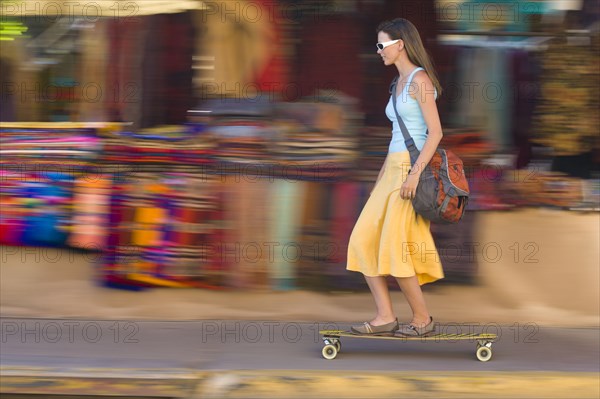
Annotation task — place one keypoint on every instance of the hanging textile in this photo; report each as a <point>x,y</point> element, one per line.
<point>93,72</point>
<point>566,118</point>
<point>244,38</point>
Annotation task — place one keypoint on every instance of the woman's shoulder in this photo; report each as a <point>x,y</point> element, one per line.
<point>422,83</point>
<point>421,77</point>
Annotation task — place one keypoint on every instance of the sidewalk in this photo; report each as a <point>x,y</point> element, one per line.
<point>535,265</point>
<point>275,359</point>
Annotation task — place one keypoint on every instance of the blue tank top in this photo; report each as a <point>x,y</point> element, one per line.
<point>411,114</point>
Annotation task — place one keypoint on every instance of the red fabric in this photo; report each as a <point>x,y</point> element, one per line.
<point>276,68</point>
<point>329,57</point>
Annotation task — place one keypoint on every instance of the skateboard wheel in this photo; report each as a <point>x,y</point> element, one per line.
<point>484,353</point>
<point>329,352</point>
<point>338,345</point>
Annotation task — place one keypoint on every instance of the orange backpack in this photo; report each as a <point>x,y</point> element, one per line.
<point>443,190</point>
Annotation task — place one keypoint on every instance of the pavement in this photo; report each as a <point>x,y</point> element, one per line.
<point>282,359</point>
<point>538,288</point>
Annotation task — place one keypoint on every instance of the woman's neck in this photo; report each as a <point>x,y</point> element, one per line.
<point>405,67</point>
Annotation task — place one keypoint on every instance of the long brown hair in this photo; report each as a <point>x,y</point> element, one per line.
<point>401,28</point>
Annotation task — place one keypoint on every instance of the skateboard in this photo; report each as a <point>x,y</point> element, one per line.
<point>333,344</point>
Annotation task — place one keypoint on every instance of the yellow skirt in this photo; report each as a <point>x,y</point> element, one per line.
<point>389,238</point>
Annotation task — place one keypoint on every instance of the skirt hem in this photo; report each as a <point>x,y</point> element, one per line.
<point>422,281</point>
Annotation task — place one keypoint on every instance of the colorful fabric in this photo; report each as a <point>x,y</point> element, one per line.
<point>161,229</point>
<point>35,208</point>
<point>43,149</point>
<point>168,205</point>
<point>90,212</point>
<point>45,168</point>
<point>165,145</point>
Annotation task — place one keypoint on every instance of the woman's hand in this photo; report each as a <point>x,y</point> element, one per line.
<point>409,187</point>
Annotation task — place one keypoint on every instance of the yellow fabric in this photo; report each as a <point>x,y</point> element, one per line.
<point>149,215</point>
<point>143,278</point>
<point>146,237</point>
<point>389,238</point>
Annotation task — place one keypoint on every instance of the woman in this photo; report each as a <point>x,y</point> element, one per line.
<point>389,238</point>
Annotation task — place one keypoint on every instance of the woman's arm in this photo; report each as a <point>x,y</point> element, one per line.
<point>424,92</point>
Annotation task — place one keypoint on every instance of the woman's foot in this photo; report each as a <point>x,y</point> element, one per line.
<point>417,329</point>
<point>376,327</point>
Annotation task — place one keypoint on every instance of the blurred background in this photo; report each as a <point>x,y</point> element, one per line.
<point>230,145</point>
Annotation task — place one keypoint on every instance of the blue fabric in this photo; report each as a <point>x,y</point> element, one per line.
<point>411,114</point>
<point>48,216</point>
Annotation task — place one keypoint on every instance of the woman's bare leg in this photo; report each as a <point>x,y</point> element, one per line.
<point>414,296</point>
<point>383,301</point>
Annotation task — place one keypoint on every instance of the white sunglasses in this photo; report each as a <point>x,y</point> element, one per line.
<point>383,45</point>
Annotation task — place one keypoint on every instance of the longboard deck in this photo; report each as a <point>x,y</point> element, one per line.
<point>431,337</point>
<point>333,345</point>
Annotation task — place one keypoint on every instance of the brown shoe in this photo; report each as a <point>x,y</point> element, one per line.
<point>412,331</point>
<point>368,329</point>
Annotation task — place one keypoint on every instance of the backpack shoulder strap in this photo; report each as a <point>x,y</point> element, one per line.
<point>393,84</point>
